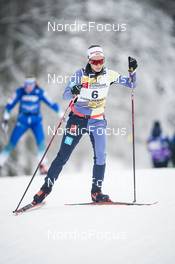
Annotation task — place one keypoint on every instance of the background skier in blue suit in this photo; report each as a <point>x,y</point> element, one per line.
<point>29,98</point>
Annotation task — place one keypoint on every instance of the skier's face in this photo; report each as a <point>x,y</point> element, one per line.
<point>97,63</point>
<point>29,86</point>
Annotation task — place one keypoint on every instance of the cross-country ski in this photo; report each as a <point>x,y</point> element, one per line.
<point>28,207</point>
<point>115,203</point>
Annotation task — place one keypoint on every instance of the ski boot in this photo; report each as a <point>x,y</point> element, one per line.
<point>41,195</point>
<point>99,197</point>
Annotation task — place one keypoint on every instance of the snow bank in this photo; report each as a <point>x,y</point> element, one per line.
<point>63,234</point>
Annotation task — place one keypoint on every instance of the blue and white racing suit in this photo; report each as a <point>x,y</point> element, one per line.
<point>29,117</point>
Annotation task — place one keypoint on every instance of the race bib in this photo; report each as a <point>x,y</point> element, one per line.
<point>93,93</point>
<point>95,90</point>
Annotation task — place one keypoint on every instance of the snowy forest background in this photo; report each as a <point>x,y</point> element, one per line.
<point>26,46</point>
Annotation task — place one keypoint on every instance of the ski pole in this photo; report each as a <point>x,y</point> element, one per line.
<point>58,126</point>
<point>132,65</point>
<point>133,143</point>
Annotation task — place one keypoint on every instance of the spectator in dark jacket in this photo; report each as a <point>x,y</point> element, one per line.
<point>159,147</point>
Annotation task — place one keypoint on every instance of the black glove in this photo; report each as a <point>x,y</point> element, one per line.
<point>76,89</point>
<point>132,64</point>
<point>4,125</point>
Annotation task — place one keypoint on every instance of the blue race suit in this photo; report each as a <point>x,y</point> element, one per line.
<point>29,117</point>
<point>87,116</point>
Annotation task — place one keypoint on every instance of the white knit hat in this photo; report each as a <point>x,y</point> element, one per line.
<point>29,80</point>
<point>95,51</point>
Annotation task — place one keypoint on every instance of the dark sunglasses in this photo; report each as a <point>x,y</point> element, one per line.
<point>96,62</point>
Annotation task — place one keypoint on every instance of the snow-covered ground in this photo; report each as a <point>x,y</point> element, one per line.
<point>64,234</point>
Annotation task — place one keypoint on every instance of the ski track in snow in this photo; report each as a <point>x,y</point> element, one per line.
<point>90,234</point>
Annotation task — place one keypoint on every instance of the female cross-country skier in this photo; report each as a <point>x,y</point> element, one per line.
<point>91,86</point>
<point>29,97</point>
